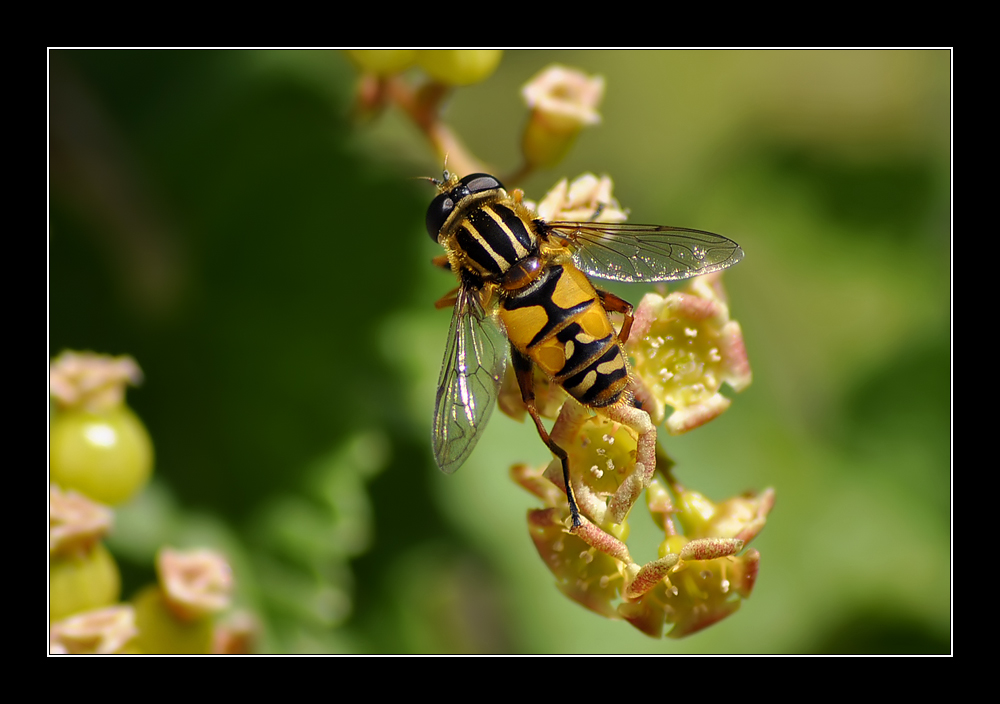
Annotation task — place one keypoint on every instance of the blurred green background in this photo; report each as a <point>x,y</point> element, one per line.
<point>219,216</point>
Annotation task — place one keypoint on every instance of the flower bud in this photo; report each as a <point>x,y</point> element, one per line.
<point>563,101</point>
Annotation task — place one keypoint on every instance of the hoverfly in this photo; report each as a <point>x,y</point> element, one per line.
<point>523,284</point>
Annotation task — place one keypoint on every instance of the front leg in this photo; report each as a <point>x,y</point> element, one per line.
<point>448,299</point>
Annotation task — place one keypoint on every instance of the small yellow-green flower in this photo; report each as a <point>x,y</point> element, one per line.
<point>694,591</point>
<point>742,517</point>
<point>585,574</point>
<point>700,578</point>
<point>684,347</point>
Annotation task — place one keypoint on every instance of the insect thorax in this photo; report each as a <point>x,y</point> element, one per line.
<point>492,238</point>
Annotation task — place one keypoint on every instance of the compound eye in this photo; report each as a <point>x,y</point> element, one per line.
<point>439,210</point>
<point>477,183</point>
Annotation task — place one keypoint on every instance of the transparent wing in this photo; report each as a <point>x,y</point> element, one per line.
<point>629,252</point>
<point>471,373</point>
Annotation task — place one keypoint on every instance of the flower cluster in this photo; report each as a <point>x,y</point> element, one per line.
<point>683,347</point>
<point>702,573</point>
<point>177,615</point>
<point>100,451</point>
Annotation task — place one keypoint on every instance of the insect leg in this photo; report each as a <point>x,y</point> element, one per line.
<point>614,304</point>
<point>448,299</point>
<point>523,370</point>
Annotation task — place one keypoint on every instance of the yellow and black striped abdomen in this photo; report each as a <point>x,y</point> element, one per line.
<point>559,323</point>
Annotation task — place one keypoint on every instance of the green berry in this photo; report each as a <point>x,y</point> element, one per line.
<point>106,456</point>
<point>160,631</point>
<point>382,62</point>
<point>459,67</point>
<point>82,581</point>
